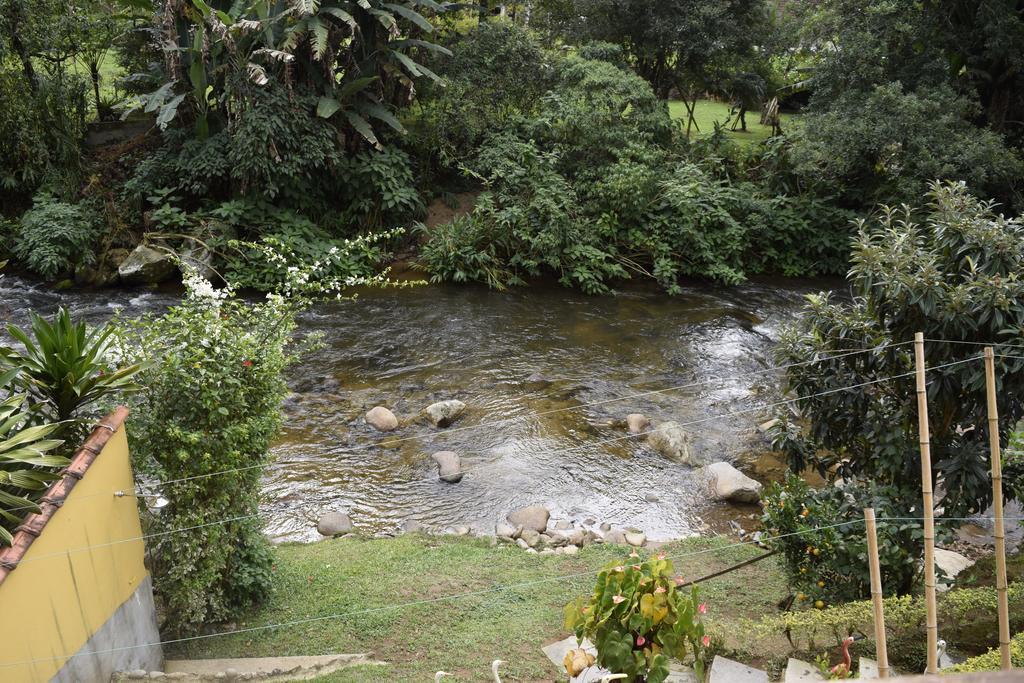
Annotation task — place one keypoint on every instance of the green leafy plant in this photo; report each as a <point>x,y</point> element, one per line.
<point>214,382</point>
<point>54,236</point>
<point>65,367</point>
<point>952,271</point>
<point>639,618</point>
<point>27,466</point>
<point>825,562</point>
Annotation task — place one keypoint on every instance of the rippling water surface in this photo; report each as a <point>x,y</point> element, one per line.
<point>521,442</point>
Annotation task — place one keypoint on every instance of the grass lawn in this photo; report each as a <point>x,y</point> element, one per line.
<point>460,635</point>
<point>709,111</point>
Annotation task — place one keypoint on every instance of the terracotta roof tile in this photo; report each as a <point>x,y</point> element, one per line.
<point>58,492</point>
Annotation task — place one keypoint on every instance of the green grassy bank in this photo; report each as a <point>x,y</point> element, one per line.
<point>710,111</point>
<point>460,635</point>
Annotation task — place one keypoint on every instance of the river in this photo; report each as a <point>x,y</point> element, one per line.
<point>521,442</point>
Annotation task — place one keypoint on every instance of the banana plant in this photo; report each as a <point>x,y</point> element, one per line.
<point>65,366</point>
<point>26,466</point>
<point>357,55</point>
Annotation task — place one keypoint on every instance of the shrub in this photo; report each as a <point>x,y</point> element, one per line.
<point>54,236</point>
<point>214,386</point>
<point>638,619</point>
<point>466,250</point>
<point>1013,465</point>
<point>825,563</point>
<point>886,145</point>
<point>966,616</point>
<point>378,190</point>
<point>495,77</point>
<point>991,660</point>
<point>40,134</point>
<point>950,271</point>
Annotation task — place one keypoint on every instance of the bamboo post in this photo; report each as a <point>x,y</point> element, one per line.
<point>881,648</point>
<point>932,627</point>
<point>997,504</point>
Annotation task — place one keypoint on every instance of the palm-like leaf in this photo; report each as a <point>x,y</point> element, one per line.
<point>25,468</point>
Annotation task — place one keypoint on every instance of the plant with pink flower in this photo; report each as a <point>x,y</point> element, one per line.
<point>639,618</point>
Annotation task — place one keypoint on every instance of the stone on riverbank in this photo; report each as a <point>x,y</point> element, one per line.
<point>533,517</point>
<point>507,531</point>
<point>637,423</point>
<point>145,266</point>
<point>671,441</point>
<point>449,466</point>
<point>382,419</point>
<point>728,483</point>
<point>443,413</point>
<point>334,524</point>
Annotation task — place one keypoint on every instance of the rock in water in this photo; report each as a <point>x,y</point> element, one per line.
<point>728,483</point>
<point>533,517</point>
<point>146,265</point>
<point>443,413</point>
<point>671,441</point>
<point>449,466</point>
<point>637,423</point>
<point>382,419</point>
<point>334,524</point>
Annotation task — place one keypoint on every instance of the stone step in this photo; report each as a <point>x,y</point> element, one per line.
<point>727,671</point>
<point>799,672</point>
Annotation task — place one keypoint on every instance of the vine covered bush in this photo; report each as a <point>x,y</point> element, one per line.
<point>825,560</point>
<point>214,386</point>
<point>639,618</point>
<point>202,430</point>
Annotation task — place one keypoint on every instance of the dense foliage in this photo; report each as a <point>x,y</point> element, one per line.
<point>951,270</point>
<point>639,618</point>
<point>212,404</point>
<point>53,237</point>
<point>590,182</point>
<point>820,533</point>
<point>62,375</point>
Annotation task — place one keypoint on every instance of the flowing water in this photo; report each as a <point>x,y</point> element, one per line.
<point>547,439</point>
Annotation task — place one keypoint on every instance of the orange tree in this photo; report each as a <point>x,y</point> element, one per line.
<point>952,270</point>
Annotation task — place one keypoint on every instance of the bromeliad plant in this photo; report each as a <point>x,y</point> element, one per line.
<point>65,367</point>
<point>639,618</point>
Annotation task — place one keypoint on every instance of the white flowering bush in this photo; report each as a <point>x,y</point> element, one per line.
<point>202,430</point>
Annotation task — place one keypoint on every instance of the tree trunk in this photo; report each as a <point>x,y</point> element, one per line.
<point>94,71</point>
<point>26,62</point>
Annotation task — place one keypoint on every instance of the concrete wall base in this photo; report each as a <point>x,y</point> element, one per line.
<point>129,640</point>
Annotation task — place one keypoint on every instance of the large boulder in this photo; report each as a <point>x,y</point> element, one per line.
<point>728,483</point>
<point>533,517</point>
<point>949,564</point>
<point>449,466</point>
<point>671,441</point>
<point>443,413</point>
<point>146,265</point>
<point>334,524</point>
<point>382,419</point>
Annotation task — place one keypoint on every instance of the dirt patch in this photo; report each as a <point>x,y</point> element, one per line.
<point>444,209</point>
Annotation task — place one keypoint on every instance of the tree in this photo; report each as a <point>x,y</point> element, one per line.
<point>953,271</point>
<point>686,46</point>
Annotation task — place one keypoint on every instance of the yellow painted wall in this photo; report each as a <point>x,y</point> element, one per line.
<point>60,594</point>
